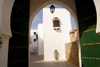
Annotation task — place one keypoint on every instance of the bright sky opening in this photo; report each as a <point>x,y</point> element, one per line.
<point>39,18</point>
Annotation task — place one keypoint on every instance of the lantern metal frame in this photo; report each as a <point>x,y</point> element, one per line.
<point>52,8</point>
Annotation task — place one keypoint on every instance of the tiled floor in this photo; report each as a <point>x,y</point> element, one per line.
<point>37,61</point>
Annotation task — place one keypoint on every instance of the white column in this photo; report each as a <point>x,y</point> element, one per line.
<point>97,6</point>
<point>4,51</point>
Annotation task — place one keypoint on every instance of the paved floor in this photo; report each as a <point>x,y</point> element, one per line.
<point>37,61</point>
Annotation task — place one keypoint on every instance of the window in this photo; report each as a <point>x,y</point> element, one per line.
<point>34,40</point>
<point>56,23</point>
<point>34,33</point>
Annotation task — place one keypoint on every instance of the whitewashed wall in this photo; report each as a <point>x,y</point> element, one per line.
<point>33,45</point>
<point>40,39</point>
<point>55,39</point>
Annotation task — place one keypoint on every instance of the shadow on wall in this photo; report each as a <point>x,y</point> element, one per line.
<point>40,45</point>
<point>58,31</point>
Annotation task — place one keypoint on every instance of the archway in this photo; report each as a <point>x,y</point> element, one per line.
<point>5,31</point>
<point>2,11</point>
<point>69,8</point>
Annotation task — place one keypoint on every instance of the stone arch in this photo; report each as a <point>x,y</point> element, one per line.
<point>70,9</point>
<point>5,12</point>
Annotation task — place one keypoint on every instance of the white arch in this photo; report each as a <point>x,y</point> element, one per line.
<point>5,30</point>
<point>71,8</point>
<point>5,15</point>
<point>97,6</point>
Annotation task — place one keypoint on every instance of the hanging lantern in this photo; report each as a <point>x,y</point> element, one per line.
<point>52,8</point>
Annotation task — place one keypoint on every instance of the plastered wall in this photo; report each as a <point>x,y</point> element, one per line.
<point>55,39</point>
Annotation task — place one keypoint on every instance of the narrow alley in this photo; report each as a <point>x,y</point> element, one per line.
<point>37,61</point>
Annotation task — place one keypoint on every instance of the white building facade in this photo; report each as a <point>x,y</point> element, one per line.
<point>55,39</point>
<point>40,40</point>
<point>33,45</point>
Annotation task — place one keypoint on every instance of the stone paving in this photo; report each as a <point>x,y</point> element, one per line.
<point>37,61</point>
